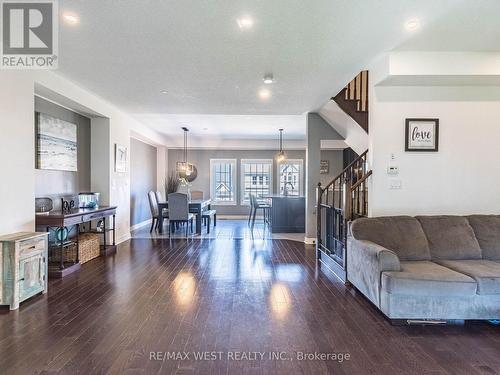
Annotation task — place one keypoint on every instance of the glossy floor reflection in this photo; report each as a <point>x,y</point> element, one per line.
<point>225,229</point>
<point>230,296</point>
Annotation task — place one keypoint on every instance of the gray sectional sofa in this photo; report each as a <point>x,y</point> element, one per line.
<point>428,267</point>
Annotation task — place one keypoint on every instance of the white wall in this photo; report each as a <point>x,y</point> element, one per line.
<point>17,187</point>
<point>162,167</point>
<point>17,145</point>
<point>462,178</point>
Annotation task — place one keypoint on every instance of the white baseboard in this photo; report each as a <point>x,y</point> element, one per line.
<point>235,217</point>
<point>123,238</point>
<point>310,240</point>
<point>140,225</point>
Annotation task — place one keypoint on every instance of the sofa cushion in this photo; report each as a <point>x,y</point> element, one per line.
<point>425,278</point>
<point>485,272</point>
<point>487,231</point>
<point>450,237</point>
<point>401,234</point>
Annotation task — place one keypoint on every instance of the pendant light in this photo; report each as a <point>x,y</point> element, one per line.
<point>183,167</point>
<point>281,154</point>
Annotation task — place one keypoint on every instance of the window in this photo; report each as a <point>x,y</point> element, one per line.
<point>290,177</point>
<point>256,178</point>
<point>222,181</point>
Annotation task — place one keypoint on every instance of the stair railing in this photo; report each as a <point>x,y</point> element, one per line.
<point>342,200</point>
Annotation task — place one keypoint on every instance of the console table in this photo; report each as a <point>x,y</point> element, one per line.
<point>77,217</point>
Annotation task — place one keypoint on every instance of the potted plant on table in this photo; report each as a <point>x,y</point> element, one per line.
<point>185,187</point>
<point>171,184</point>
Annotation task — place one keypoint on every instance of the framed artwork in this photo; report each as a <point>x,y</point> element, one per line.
<point>324,166</point>
<point>422,134</point>
<point>56,143</point>
<point>121,159</point>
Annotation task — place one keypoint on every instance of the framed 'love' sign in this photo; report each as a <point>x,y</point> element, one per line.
<point>422,134</point>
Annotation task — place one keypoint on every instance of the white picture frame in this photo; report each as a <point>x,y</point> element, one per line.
<point>121,158</point>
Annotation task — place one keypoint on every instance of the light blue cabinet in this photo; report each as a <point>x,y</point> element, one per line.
<point>23,271</point>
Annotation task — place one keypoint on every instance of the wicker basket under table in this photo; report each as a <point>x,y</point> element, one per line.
<point>89,247</point>
<point>69,253</point>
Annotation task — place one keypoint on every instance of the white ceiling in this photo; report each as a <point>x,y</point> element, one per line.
<point>228,126</point>
<point>129,51</point>
<point>473,26</point>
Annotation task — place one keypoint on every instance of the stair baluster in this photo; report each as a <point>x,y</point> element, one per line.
<point>344,199</point>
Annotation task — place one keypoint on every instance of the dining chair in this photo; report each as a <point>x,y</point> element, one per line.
<point>197,195</point>
<point>159,198</point>
<point>254,206</point>
<point>178,207</point>
<point>153,206</point>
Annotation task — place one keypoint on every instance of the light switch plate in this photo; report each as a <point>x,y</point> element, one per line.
<point>395,184</point>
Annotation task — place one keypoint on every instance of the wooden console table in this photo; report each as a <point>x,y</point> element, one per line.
<point>77,217</point>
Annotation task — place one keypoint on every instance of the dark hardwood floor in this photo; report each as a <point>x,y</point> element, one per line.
<point>227,296</point>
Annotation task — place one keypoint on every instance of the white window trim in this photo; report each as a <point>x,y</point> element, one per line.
<point>301,174</point>
<point>242,177</point>
<point>234,165</point>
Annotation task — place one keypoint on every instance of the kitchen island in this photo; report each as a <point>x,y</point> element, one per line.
<point>288,214</point>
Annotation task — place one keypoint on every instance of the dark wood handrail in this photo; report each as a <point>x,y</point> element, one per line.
<point>363,179</point>
<point>346,169</point>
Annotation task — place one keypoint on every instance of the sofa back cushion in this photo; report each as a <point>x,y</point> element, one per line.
<point>487,230</point>
<point>450,237</point>
<point>401,234</point>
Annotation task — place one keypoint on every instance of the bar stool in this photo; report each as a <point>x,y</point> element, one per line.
<point>254,206</point>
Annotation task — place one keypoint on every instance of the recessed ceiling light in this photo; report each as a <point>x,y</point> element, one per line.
<point>71,18</point>
<point>264,94</point>
<point>164,91</point>
<point>268,78</point>
<point>245,22</point>
<point>413,24</point>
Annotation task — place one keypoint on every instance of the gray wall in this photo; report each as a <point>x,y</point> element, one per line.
<point>335,157</point>
<point>317,129</point>
<point>201,159</point>
<point>142,179</point>
<point>55,184</point>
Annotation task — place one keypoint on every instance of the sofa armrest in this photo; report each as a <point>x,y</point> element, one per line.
<point>365,263</point>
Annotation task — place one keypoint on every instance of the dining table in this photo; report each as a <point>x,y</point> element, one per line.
<point>196,206</point>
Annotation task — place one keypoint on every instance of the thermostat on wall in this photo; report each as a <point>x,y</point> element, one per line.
<point>393,170</point>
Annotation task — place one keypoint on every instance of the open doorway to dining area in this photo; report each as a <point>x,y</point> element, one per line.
<point>234,191</point>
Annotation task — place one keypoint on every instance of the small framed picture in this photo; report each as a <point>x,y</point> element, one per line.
<point>422,134</point>
<point>324,166</point>
<point>121,159</point>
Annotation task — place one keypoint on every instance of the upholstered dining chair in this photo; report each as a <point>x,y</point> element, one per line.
<point>178,210</point>
<point>159,198</point>
<point>153,206</point>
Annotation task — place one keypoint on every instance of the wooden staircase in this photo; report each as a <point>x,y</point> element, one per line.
<point>353,99</point>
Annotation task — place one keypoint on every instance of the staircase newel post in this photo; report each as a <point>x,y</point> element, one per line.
<point>348,200</point>
<point>319,194</point>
